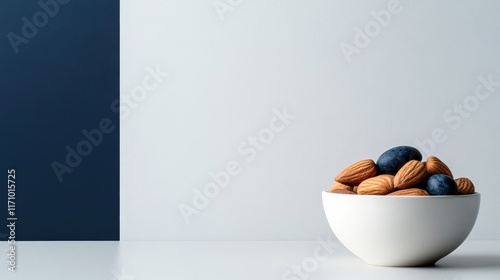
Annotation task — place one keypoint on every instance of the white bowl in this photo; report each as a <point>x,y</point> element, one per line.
<point>401,230</point>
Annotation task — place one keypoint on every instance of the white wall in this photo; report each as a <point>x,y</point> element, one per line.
<point>227,76</point>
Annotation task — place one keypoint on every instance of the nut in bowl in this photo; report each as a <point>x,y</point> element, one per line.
<point>416,219</point>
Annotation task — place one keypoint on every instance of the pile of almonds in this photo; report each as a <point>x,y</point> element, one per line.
<point>363,177</point>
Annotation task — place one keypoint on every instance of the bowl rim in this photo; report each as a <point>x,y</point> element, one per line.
<point>407,196</point>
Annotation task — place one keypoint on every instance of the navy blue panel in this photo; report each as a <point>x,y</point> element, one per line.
<point>59,75</point>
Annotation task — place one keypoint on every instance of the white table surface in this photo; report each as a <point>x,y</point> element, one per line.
<point>256,260</point>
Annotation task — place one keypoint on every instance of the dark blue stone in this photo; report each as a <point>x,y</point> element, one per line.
<point>440,184</point>
<point>393,159</point>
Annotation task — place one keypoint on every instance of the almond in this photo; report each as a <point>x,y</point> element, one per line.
<point>342,191</point>
<point>436,166</point>
<point>410,191</point>
<point>410,174</point>
<point>465,186</point>
<point>355,189</point>
<point>378,185</point>
<point>357,172</point>
<point>340,186</point>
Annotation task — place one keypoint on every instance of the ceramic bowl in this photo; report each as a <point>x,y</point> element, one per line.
<point>401,230</point>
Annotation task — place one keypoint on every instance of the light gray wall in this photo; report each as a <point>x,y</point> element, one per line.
<point>229,71</point>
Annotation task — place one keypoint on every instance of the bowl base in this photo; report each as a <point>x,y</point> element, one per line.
<point>429,264</point>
